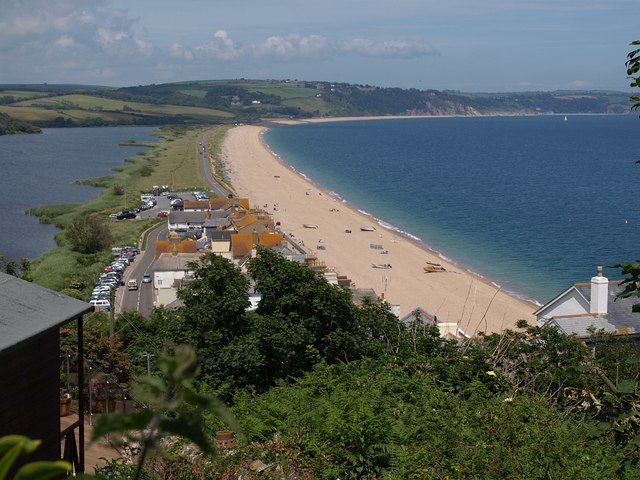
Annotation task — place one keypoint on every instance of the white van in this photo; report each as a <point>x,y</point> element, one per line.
<point>132,284</point>
<point>101,305</point>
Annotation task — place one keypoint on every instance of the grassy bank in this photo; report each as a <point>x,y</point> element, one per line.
<point>173,161</point>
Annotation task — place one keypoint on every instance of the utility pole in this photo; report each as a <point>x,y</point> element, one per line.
<point>112,315</point>
<point>149,355</point>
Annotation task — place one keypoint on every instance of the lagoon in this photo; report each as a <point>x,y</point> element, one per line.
<point>41,169</point>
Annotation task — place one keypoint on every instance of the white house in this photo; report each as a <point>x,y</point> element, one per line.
<point>169,271</point>
<point>593,306</point>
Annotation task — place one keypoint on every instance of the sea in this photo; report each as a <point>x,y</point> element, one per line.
<point>40,169</point>
<point>530,203</point>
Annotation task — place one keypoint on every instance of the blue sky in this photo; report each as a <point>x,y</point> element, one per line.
<point>468,45</point>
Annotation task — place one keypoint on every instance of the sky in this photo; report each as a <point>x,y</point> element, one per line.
<point>466,45</point>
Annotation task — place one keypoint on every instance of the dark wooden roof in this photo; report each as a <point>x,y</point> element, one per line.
<point>27,310</point>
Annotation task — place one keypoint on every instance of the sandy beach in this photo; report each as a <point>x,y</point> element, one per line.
<point>454,295</point>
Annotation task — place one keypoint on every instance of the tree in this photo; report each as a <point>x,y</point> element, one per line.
<point>218,296</point>
<point>633,68</point>
<point>632,283</point>
<point>88,234</point>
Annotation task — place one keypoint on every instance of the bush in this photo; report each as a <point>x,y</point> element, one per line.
<point>88,234</point>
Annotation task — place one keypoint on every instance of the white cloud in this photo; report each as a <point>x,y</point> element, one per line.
<point>144,47</point>
<point>121,43</point>
<point>176,50</point>
<point>65,41</point>
<point>389,48</point>
<point>292,46</point>
<point>222,47</point>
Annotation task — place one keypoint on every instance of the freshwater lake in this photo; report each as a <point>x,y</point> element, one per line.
<point>40,169</point>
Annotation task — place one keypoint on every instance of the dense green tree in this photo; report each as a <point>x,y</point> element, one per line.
<point>217,298</point>
<point>395,420</point>
<point>88,234</point>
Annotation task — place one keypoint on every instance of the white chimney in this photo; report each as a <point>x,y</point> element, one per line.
<point>599,293</point>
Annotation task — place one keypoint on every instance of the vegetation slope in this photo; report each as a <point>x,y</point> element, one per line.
<point>229,101</point>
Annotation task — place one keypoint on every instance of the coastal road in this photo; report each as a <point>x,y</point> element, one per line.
<point>141,300</point>
<point>205,170</point>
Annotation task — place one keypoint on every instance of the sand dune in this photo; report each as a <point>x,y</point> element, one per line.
<point>454,295</point>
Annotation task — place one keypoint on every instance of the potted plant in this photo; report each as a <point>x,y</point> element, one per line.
<point>65,402</point>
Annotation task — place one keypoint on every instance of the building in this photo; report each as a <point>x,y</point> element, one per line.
<point>585,308</point>
<point>30,318</point>
<point>170,271</point>
<point>446,329</point>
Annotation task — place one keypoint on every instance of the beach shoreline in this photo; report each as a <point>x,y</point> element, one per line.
<point>455,295</point>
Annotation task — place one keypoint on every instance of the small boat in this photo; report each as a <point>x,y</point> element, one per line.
<point>565,118</point>
<point>381,265</point>
<point>367,229</point>
<point>431,267</point>
<point>309,225</point>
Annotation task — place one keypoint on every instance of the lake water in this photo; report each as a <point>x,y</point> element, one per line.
<point>40,170</point>
<point>532,203</point>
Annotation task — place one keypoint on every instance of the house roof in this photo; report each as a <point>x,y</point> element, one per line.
<point>270,239</point>
<point>186,245</point>
<point>241,244</point>
<point>167,262</point>
<point>196,204</point>
<point>217,235</point>
<point>422,314</point>
<point>27,310</point>
<point>244,221</point>
<point>618,319</point>
<point>216,222</point>
<point>188,217</point>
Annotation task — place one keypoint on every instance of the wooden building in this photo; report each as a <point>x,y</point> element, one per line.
<point>30,318</point>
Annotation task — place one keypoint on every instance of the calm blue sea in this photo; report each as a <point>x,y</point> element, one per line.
<point>40,170</point>
<point>533,204</point>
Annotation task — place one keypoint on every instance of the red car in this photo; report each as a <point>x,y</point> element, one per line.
<point>163,213</point>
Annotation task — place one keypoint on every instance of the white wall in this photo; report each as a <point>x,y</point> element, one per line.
<point>571,303</point>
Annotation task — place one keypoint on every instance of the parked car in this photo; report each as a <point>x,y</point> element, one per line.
<point>163,213</point>
<point>126,214</point>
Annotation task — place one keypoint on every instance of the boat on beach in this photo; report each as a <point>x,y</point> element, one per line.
<point>309,225</point>
<point>367,229</point>
<point>431,267</point>
<point>381,265</point>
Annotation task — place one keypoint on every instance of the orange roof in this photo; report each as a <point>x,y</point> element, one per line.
<point>199,204</point>
<point>241,244</point>
<point>219,203</point>
<point>244,221</point>
<point>185,246</point>
<point>270,239</point>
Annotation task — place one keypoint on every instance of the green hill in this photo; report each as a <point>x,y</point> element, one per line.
<point>228,101</point>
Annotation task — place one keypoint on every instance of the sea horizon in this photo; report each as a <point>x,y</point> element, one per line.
<point>314,151</point>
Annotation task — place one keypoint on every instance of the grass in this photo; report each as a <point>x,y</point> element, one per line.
<point>86,109</point>
<point>97,105</point>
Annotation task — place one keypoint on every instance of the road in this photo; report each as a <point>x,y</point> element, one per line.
<point>205,170</point>
<point>141,300</point>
